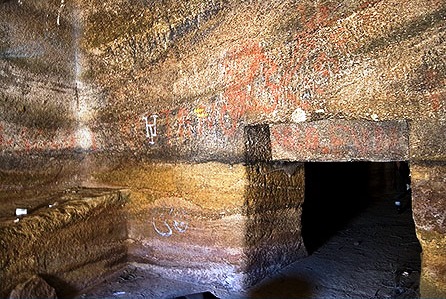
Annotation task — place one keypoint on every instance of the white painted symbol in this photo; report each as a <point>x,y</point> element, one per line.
<point>167,233</point>
<point>170,221</point>
<point>151,128</point>
<point>62,4</point>
<point>180,226</point>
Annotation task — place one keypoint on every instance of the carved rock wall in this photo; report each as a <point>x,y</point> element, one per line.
<point>428,180</point>
<point>88,87</point>
<point>226,226</point>
<point>209,69</point>
<point>203,73</point>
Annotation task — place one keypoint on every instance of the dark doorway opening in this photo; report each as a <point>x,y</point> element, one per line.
<point>338,192</point>
<point>361,244</point>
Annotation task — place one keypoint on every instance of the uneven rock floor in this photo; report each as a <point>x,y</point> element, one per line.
<point>376,255</point>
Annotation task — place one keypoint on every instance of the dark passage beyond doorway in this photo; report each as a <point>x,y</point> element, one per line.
<point>334,194</point>
<point>361,244</point>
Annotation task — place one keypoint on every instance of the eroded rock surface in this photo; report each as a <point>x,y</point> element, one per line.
<point>35,287</point>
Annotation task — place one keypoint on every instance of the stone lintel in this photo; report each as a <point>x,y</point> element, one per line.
<point>340,140</point>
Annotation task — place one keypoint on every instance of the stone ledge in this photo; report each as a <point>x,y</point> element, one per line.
<point>48,241</point>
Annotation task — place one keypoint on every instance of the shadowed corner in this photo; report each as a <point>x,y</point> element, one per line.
<point>273,233</point>
<point>63,289</point>
<point>283,287</point>
<point>273,206</point>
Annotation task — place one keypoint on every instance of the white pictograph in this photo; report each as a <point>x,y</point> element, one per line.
<point>162,233</point>
<point>150,128</point>
<point>62,4</point>
<point>169,221</point>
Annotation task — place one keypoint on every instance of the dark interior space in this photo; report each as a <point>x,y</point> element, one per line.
<point>361,243</point>
<point>336,193</point>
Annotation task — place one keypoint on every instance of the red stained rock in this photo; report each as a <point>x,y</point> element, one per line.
<point>340,140</point>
